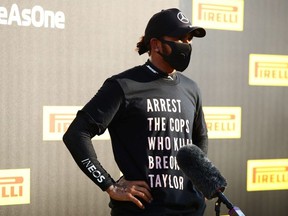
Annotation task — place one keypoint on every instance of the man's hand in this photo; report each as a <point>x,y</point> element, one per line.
<point>125,190</point>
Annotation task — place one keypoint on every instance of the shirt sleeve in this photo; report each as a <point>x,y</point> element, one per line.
<point>93,120</point>
<point>200,137</point>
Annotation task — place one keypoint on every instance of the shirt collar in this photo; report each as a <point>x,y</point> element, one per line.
<point>155,70</point>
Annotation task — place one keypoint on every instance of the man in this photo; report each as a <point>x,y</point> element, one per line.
<point>150,111</point>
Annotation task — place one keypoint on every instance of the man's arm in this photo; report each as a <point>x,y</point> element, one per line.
<point>90,121</point>
<point>78,141</point>
<point>200,132</point>
<point>93,120</point>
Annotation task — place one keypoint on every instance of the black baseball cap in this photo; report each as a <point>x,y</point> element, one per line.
<point>170,22</point>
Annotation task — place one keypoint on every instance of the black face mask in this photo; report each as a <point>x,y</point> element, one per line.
<point>179,57</point>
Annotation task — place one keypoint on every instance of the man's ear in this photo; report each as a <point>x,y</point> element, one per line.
<point>154,44</point>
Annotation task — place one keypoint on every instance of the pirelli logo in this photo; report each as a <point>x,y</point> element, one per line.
<point>14,187</point>
<point>271,174</point>
<point>219,14</point>
<point>268,70</point>
<point>56,120</point>
<point>223,122</point>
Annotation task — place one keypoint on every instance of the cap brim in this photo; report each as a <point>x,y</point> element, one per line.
<point>194,30</point>
<point>198,31</point>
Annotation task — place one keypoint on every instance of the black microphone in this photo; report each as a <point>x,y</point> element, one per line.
<point>204,175</point>
<point>200,170</point>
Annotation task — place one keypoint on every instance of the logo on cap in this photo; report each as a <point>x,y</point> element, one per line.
<point>182,18</point>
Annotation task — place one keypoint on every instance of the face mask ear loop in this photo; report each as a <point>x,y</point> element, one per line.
<point>164,42</point>
<point>158,51</point>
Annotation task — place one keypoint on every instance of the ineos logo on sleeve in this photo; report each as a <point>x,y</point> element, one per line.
<point>182,18</point>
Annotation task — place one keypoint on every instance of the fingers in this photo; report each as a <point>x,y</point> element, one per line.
<point>136,201</point>
<point>131,191</point>
<point>142,190</point>
<point>142,184</point>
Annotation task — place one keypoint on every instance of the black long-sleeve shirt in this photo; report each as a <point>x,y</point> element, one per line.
<point>149,117</point>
